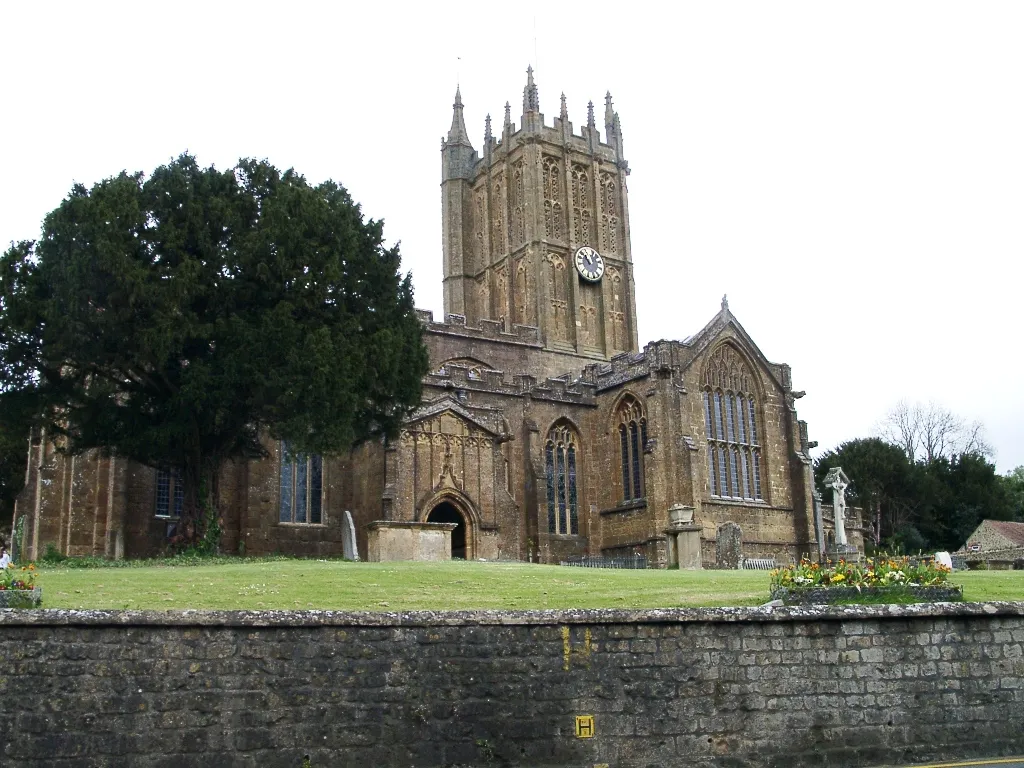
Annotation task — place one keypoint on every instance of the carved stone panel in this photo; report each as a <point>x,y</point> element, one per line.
<point>618,335</point>
<point>557,276</point>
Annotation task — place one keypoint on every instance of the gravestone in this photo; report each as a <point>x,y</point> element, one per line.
<point>729,546</point>
<point>348,538</point>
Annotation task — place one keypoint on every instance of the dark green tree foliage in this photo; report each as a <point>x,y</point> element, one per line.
<point>176,319</point>
<point>961,492</point>
<point>881,482</point>
<point>918,505</point>
<point>1014,482</point>
<point>13,456</point>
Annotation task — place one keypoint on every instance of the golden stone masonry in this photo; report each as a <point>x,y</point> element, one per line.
<point>544,433</point>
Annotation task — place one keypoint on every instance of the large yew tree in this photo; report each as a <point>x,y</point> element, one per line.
<point>178,319</point>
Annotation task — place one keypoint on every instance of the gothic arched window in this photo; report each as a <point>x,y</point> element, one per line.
<point>632,439</point>
<point>301,497</point>
<point>170,493</point>
<point>731,423</point>
<point>561,460</point>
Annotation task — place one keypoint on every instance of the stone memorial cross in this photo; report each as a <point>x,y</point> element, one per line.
<point>837,480</point>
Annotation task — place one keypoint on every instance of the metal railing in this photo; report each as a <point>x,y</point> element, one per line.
<point>633,562</point>
<point>759,564</point>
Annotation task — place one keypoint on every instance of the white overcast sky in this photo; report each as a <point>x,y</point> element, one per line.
<point>850,174</point>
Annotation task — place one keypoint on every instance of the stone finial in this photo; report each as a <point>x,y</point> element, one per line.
<point>590,116</point>
<point>508,115</point>
<point>725,302</point>
<point>564,114</point>
<point>457,133</point>
<point>531,99</point>
<point>487,129</point>
<point>609,116</point>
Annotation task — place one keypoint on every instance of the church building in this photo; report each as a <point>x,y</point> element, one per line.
<point>545,431</point>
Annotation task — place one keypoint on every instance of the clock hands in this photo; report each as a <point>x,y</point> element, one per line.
<point>589,264</point>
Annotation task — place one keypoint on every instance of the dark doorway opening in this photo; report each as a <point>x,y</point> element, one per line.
<point>446,512</point>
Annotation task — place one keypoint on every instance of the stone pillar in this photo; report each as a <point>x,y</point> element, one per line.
<point>688,547</point>
<point>683,539</point>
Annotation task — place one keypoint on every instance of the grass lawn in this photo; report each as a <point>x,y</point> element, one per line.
<point>339,585</point>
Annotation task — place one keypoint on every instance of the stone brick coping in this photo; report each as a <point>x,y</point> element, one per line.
<point>760,614</point>
<point>837,594</point>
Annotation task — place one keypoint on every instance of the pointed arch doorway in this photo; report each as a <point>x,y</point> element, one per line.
<point>446,512</point>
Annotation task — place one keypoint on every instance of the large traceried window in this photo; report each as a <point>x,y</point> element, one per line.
<point>735,462</point>
<point>632,439</point>
<point>561,459</point>
<point>302,481</point>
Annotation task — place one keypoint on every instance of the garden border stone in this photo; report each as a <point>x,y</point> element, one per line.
<point>941,593</point>
<point>21,598</point>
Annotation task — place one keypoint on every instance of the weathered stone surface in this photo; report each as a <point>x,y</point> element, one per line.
<point>21,598</point>
<point>829,595</point>
<point>729,546</point>
<point>527,347</point>
<point>717,688</point>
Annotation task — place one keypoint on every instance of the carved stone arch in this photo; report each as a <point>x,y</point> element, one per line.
<point>729,358</point>
<point>622,400</point>
<point>454,495</point>
<point>455,499</point>
<point>564,421</point>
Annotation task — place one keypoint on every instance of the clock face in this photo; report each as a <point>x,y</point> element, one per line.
<point>589,264</point>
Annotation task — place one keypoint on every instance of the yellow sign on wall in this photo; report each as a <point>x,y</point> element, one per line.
<point>585,726</point>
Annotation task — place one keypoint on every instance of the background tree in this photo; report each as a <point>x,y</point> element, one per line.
<point>1014,482</point>
<point>13,458</point>
<point>178,319</point>
<point>959,494</point>
<point>921,505</point>
<point>929,432</point>
<point>882,483</point>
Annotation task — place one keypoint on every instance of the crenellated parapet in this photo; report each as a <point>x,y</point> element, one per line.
<point>515,215</point>
<point>480,380</point>
<point>484,329</point>
<point>622,368</point>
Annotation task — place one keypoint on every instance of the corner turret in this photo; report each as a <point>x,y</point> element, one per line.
<point>533,120</point>
<point>458,155</point>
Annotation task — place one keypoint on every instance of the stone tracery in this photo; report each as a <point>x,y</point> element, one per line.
<point>735,463</point>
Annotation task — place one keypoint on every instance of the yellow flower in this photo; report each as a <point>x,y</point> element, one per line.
<point>838,577</point>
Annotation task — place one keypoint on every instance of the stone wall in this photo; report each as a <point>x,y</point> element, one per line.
<point>751,687</point>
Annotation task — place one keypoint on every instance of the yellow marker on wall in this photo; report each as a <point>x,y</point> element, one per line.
<point>585,727</point>
<point>568,651</point>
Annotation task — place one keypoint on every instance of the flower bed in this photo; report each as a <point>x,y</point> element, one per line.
<point>18,587</point>
<point>883,579</point>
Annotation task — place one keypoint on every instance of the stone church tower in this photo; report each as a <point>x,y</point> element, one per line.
<point>545,431</point>
<point>515,216</point>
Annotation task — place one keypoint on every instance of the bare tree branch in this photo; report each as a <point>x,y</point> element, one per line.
<point>929,432</point>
